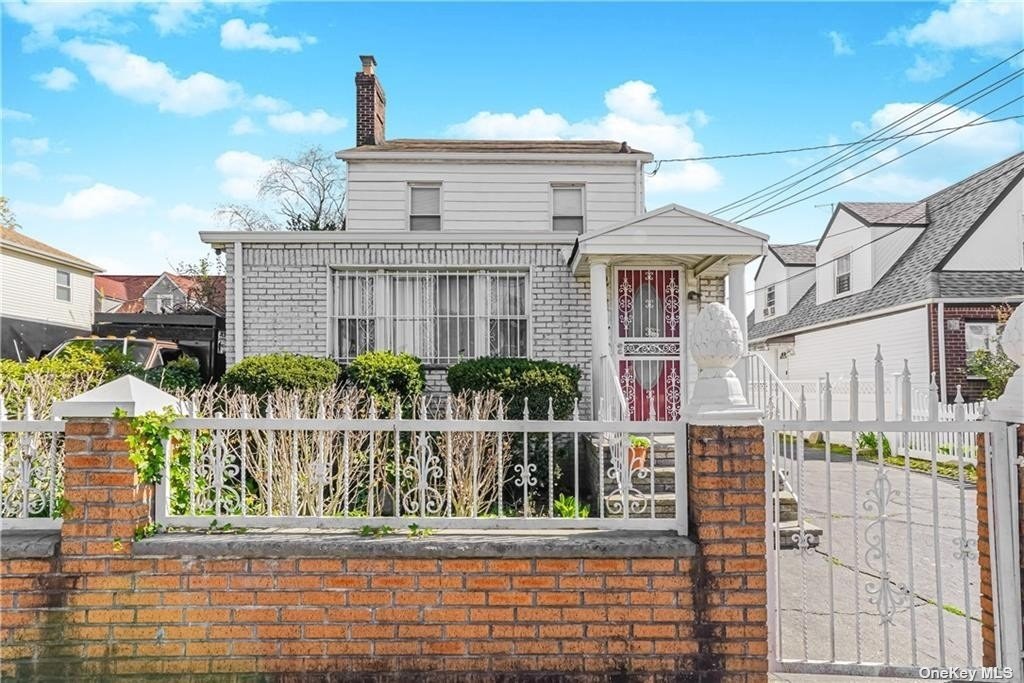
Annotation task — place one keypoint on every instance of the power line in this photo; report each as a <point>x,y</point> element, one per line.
<point>957,198</point>
<point>740,155</point>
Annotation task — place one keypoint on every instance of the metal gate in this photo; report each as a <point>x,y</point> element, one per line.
<point>873,553</point>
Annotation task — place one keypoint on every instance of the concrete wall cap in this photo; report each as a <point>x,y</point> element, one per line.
<point>127,393</point>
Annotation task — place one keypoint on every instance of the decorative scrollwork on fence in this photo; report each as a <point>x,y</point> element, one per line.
<point>621,473</point>
<point>424,472</point>
<point>217,473</point>
<point>888,596</point>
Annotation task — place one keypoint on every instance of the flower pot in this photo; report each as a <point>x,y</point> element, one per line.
<point>637,457</point>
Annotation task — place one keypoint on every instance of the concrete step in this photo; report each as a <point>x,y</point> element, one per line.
<point>664,506</point>
<point>789,534</point>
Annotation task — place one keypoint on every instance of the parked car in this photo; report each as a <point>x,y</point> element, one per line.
<point>149,353</point>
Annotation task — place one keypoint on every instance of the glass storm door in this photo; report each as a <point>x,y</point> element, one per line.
<point>648,341</point>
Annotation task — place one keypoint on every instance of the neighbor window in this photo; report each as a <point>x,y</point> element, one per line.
<point>164,303</point>
<point>980,337</point>
<point>843,274</point>
<point>440,316</point>
<point>567,208</point>
<point>769,300</point>
<point>63,285</point>
<point>424,207</point>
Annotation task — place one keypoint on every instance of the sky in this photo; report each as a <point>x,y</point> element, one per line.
<point>125,125</point>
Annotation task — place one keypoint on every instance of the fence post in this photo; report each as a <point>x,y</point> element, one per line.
<point>1003,535</point>
<point>727,504</point>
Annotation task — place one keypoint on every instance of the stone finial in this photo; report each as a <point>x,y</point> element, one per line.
<point>127,393</point>
<point>716,342</point>
<point>1010,406</point>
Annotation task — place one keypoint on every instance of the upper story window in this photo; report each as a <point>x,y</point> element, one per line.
<point>567,208</point>
<point>63,285</point>
<point>425,207</point>
<point>843,274</point>
<point>164,303</point>
<point>769,301</point>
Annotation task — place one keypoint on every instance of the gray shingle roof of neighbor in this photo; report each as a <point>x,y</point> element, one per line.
<point>510,146</point>
<point>953,212</point>
<point>794,254</point>
<point>890,213</point>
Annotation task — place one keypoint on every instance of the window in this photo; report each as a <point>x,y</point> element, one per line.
<point>63,285</point>
<point>440,316</point>
<point>424,207</point>
<point>843,274</point>
<point>769,300</point>
<point>164,303</point>
<point>567,208</point>
<point>980,336</point>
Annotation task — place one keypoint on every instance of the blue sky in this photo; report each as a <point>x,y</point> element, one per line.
<point>126,124</point>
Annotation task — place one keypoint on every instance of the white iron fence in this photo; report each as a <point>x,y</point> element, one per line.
<point>31,469</point>
<point>463,465</point>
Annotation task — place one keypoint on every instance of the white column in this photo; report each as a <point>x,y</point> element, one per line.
<point>598,327</point>
<point>238,317</point>
<point>738,296</point>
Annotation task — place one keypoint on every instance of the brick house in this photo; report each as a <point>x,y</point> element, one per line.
<point>925,279</point>
<point>458,249</point>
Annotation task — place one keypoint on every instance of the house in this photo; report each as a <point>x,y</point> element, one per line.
<point>459,249</point>
<point>45,295</point>
<point>925,279</point>
<point>164,293</point>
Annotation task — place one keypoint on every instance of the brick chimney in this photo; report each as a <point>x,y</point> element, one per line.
<point>370,102</point>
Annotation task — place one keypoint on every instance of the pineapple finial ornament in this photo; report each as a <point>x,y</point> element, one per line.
<point>717,344</point>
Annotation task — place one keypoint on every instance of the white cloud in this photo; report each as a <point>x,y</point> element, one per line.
<point>47,19</point>
<point>141,80</point>
<point>186,213</point>
<point>57,78</point>
<point>970,24</point>
<point>241,173</point>
<point>634,114</point>
<point>14,115</point>
<point>244,126</point>
<point>175,17</point>
<point>929,68</point>
<point>30,147</point>
<point>316,121</point>
<point>22,169</point>
<point>93,202</point>
<point>235,34</point>
<point>268,104</point>
<point>840,47</point>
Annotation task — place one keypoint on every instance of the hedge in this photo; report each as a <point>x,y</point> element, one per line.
<point>383,375</point>
<point>519,379</point>
<point>267,373</point>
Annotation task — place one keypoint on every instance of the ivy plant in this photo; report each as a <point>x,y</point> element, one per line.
<point>146,441</point>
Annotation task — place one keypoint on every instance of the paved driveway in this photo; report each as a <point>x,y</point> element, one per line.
<point>840,578</point>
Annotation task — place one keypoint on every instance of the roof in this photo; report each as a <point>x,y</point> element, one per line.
<point>953,213</point>
<point>18,241</point>
<point>794,254</point>
<point>130,289</point>
<point>502,146</point>
<point>889,213</point>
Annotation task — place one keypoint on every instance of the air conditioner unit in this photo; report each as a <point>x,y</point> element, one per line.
<point>769,310</point>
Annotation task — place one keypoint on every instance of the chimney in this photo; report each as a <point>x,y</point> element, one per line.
<point>370,102</point>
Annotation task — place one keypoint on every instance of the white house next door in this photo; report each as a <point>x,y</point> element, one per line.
<point>648,341</point>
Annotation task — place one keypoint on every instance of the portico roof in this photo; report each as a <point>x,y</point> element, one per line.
<point>672,231</point>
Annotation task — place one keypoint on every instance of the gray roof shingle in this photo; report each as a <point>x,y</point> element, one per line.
<point>953,212</point>
<point>890,213</point>
<point>794,254</point>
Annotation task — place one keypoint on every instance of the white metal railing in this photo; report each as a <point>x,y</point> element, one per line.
<point>31,469</point>
<point>611,401</point>
<point>470,466</point>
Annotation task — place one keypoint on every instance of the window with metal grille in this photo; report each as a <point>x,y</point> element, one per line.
<point>424,207</point>
<point>63,285</point>
<point>843,274</point>
<point>440,316</point>
<point>567,208</point>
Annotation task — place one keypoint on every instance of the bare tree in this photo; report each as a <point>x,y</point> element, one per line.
<point>7,217</point>
<point>309,191</point>
<point>207,290</point>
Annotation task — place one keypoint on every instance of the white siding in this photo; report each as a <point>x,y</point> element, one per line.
<point>29,291</point>
<point>998,243</point>
<point>478,196</point>
<point>845,234</point>
<point>791,283</point>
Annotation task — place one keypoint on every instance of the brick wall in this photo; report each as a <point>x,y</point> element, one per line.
<point>956,346</point>
<point>688,613</point>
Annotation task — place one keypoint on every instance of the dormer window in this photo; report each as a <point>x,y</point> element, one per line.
<point>843,274</point>
<point>567,208</point>
<point>425,207</point>
<point>769,301</point>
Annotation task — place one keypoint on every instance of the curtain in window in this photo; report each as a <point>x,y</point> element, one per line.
<point>456,319</point>
<point>507,315</point>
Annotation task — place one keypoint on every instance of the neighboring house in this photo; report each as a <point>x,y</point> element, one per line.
<point>45,296</point>
<point>922,279</point>
<point>459,249</point>
<point>164,293</point>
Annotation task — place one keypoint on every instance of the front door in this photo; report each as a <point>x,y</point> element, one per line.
<point>648,341</point>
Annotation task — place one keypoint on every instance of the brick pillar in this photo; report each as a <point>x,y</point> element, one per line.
<point>727,508</point>
<point>988,623</point>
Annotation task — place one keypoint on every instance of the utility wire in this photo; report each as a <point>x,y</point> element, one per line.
<point>1011,171</point>
<point>921,125</point>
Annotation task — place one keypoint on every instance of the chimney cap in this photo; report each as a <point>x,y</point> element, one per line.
<point>369,64</point>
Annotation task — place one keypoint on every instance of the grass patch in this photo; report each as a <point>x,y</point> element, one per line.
<point>947,470</point>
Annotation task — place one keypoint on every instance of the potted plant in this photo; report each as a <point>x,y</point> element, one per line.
<point>638,448</point>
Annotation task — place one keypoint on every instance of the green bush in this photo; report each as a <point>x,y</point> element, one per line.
<point>383,375</point>
<point>182,373</point>
<point>264,374</point>
<point>519,379</point>
<point>45,380</point>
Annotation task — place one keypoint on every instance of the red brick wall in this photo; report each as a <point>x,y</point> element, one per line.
<point>123,613</point>
<point>956,346</point>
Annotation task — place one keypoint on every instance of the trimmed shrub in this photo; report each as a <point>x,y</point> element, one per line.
<point>519,379</point>
<point>45,380</point>
<point>264,374</point>
<point>383,375</point>
<point>182,373</point>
